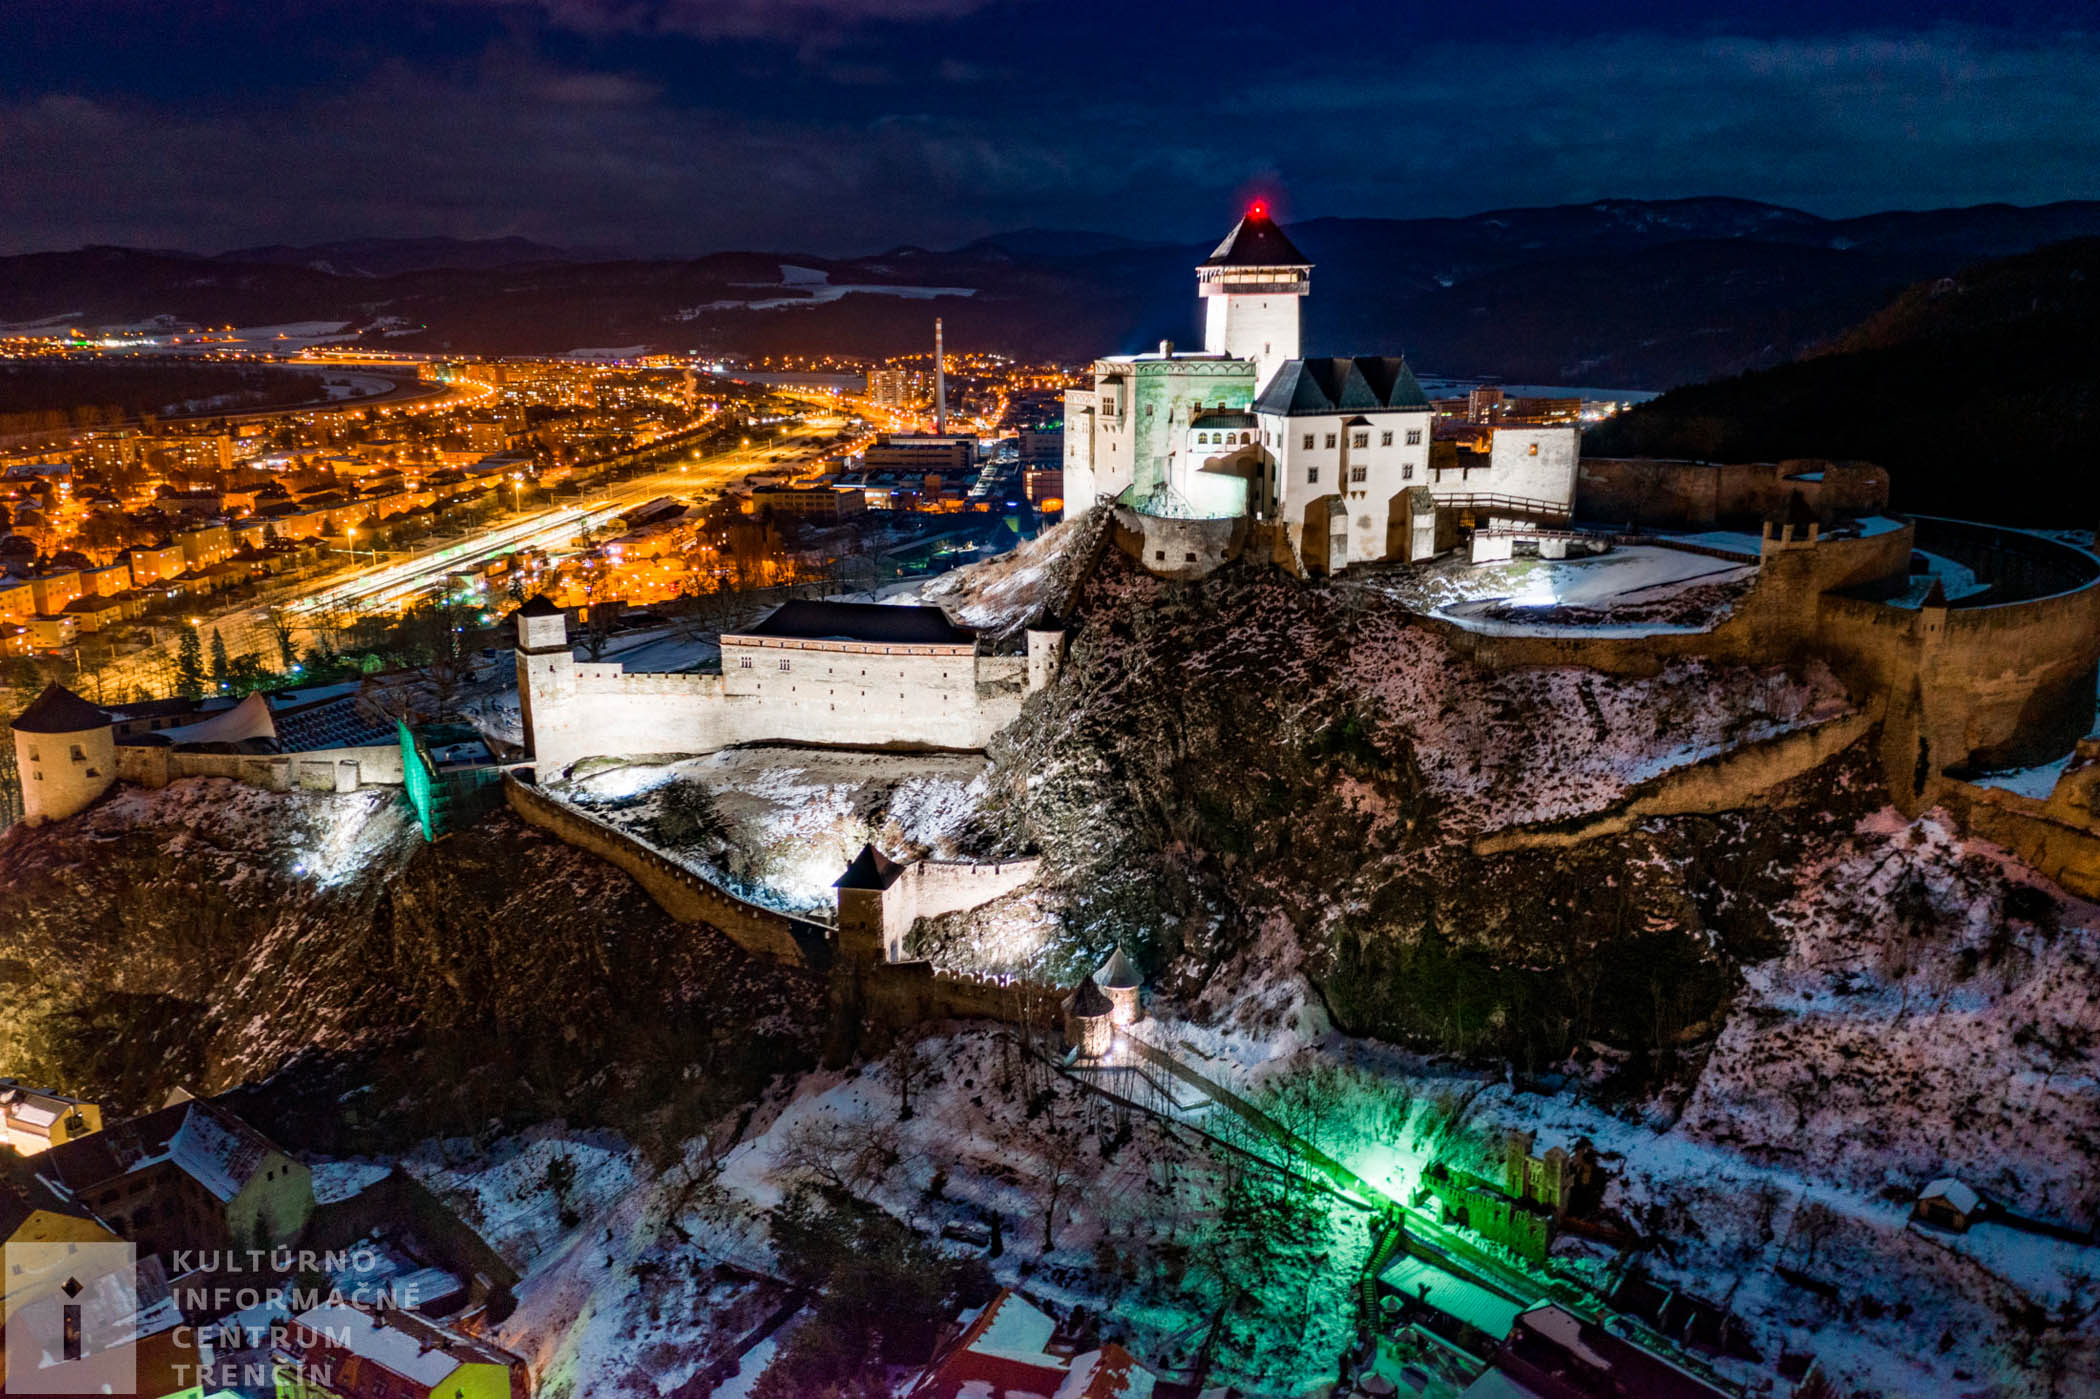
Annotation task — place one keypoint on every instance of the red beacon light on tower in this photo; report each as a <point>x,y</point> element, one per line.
<point>1258,209</point>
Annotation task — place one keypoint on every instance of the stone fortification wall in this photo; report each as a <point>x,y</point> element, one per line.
<point>1956,687</point>
<point>895,995</point>
<point>679,891</point>
<point>1176,548</point>
<point>1698,495</point>
<point>2058,835</point>
<point>827,694</point>
<point>1746,776</point>
<point>323,770</point>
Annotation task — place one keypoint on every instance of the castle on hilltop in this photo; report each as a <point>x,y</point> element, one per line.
<point>1317,463</point>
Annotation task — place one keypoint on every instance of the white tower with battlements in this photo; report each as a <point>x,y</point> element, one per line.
<point>1251,289</point>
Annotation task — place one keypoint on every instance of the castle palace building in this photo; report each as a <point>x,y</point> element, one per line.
<point>1328,462</point>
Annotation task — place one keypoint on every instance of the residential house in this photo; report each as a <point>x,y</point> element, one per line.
<point>32,1119</point>
<point>190,1176</point>
<point>337,1351</point>
<point>1006,1352</point>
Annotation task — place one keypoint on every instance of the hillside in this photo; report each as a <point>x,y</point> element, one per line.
<point>1627,293</point>
<point>210,933</point>
<point>1989,376</point>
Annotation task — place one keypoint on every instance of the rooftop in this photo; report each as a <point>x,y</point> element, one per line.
<point>862,621</point>
<point>59,711</point>
<point>1256,241</point>
<point>1341,384</point>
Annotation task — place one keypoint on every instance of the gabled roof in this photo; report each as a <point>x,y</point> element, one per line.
<point>59,711</point>
<point>206,1143</point>
<point>871,869</point>
<point>1256,241</point>
<point>862,621</point>
<point>1954,1192</point>
<point>1340,384</point>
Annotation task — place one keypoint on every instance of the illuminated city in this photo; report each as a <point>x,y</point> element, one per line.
<point>975,699</point>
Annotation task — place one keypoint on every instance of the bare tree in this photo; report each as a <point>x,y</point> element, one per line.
<point>911,1064</point>
<point>847,1154</point>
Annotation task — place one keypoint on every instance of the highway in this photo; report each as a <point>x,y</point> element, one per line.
<point>390,583</point>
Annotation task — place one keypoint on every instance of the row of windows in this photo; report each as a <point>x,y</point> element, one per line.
<point>1357,473</point>
<point>74,751</point>
<point>1227,438</point>
<point>1363,439</point>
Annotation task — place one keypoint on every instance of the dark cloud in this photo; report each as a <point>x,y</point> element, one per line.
<point>636,126</point>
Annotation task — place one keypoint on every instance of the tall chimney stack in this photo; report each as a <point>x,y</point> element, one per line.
<point>940,380</point>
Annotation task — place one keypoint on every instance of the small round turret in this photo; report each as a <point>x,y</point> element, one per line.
<point>66,753</point>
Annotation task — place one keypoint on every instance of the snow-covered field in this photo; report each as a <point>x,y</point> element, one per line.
<point>797,815</point>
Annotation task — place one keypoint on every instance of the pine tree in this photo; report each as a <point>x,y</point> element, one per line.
<point>189,665</point>
<point>218,655</point>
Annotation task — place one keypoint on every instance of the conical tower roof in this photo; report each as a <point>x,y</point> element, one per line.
<point>1119,973</point>
<point>538,605</point>
<point>1089,1000</point>
<point>59,711</point>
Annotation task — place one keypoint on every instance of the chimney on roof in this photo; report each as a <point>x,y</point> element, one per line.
<point>1166,349</point>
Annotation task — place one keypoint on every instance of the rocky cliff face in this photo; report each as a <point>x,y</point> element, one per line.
<point>211,933</point>
<point>1252,767</point>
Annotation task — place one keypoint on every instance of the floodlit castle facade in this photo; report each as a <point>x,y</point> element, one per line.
<point>1329,461</point>
<point>853,675</point>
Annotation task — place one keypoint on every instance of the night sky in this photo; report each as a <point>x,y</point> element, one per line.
<point>847,126</point>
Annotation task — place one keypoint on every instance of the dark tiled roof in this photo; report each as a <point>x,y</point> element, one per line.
<point>219,1151</point>
<point>1218,417</point>
<point>340,723</point>
<point>863,621</point>
<point>59,711</point>
<point>538,605</point>
<point>1311,387</point>
<point>1256,241</point>
<point>871,869</point>
<point>1089,1000</point>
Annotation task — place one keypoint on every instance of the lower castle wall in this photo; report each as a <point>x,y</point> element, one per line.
<point>154,767</point>
<point>679,891</point>
<point>1697,495</point>
<point>1726,782</point>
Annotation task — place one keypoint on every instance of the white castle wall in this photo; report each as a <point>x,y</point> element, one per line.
<point>64,773</point>
<point>848,694</point>
<point>1534,463</point>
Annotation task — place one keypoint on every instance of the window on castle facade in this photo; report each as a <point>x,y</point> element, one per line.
<point>1330,441</point>
<point>783,662</point>
<point>1312,475</point>
<point>744,663</point>
<point>1359,473</point>
<point>1407,473</point>
<point>79,753</point>
<point>1385,439</point>
<point>1414,437</point>
<point>1308,442</point>
<point>1534,449</point>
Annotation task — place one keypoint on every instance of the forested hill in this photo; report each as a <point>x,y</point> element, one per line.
<point>1977,392</point>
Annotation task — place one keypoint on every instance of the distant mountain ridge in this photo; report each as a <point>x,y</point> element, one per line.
<point>1612,293</point>
<point>1980,392</point>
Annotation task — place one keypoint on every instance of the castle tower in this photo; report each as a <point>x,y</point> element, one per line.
<point>1251,287</point>
<point>1119,980</point>
<point>546,667</point>
<point>66,752</point>
<point>866,933</point>
<point>1090,1026</point>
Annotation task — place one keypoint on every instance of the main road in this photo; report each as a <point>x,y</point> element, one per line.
<point>391,583</point>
